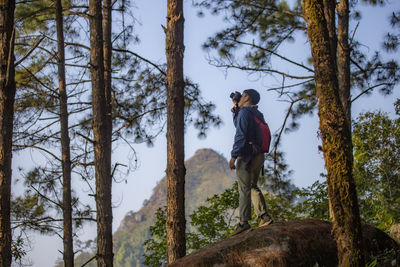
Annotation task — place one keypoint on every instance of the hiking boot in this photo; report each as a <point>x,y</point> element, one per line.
<point>265,220</point>
<point>241,228</point>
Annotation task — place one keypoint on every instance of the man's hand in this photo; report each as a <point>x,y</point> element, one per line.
<point>232,163</point>
<point>235,108</point>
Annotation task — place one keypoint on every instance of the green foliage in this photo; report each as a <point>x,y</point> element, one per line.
<point>29,212</point>
<point>155,247</point>
<point>392,39</point>
<point>18,249</point>
<point>124,257</point>
<point>376,140</point>
<point>33,15</point>
<point>214,221</point>
<point>277,175</point>
<point>313,201</point>
<point>279,207</point>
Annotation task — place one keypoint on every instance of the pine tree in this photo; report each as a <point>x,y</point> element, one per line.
<point>68,254</point>
<point>176,243</point>
<point>7,95</point>
<point>102,140</point>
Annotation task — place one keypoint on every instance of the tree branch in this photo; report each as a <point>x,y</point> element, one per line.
<point>264,70</point>
<point>290,86</point>
<point>39,148</point>
<point>142,58</point>
<point>45,197</point>
<point>92,258</point>
<point>276,54</point>
<point>85,137</point>
<point>369,89</point>
<point>283,127</point>
<point>33,47</point>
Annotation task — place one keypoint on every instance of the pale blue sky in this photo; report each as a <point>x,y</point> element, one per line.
<point>300,146</point>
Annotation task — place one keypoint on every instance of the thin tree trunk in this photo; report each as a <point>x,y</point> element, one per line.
<point>7,96</point>
<point>344,57</point>
<point>65,144</point>
<point>176,242</point>
<point>336,141</point>
<point>107,49</point>
<point>102,142</point>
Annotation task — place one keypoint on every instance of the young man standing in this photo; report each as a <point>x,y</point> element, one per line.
<point>248,165</point>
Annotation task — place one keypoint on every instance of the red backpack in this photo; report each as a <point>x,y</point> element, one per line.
<point>263,136</point>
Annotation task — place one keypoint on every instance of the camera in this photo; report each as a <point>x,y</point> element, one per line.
<point>235,96</point>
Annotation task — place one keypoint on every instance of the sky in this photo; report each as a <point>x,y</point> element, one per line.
<point>300,146</point>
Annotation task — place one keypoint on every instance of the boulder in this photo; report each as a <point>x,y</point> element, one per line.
<point>306,242</point>
<point>395,232</point>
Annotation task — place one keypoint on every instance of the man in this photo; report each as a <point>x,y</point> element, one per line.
<point>248,165</point>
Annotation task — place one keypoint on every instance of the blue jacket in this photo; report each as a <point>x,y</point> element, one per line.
<point>245,130</point>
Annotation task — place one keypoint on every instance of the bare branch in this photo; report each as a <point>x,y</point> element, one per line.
<point>115,168</point>
<point>92,258</point>
<point>85,137</point>
<point>276,54</point>
<point>33,47</point>
<point>129,121</point>
<point>77,44</point>
<point>41,83</point>
<point>369,89</point>
<point>142,58</point>
<point>290,86</point>
<point>45,197</point>
<point>283,126</point>
<point>41,149</point>
<point>265,70</point>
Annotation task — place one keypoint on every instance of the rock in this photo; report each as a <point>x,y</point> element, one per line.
<point>395,232</point>
<point>294,243</point>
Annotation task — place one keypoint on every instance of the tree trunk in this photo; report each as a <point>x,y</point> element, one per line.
<point>336,141</point>
<point>102,142</point>
<point>176,242</point>
<point>329,13</point>
<point>7,96</point>
<point>344,57</point>
<point>107,49</point>
<point>68,255</point>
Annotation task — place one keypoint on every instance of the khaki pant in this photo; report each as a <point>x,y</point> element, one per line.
<point>248,189</point>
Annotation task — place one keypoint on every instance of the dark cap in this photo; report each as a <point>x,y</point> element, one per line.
<point>254,95</point>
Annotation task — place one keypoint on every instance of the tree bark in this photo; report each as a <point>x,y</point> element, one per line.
<point>7,96</point>
<point>68,255</point>
<point>176,242</point>
<point>343,49</point>
<point>336,140</point>
<point>330,17</point>
<point>102,142</point>
<point>107,50</point>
